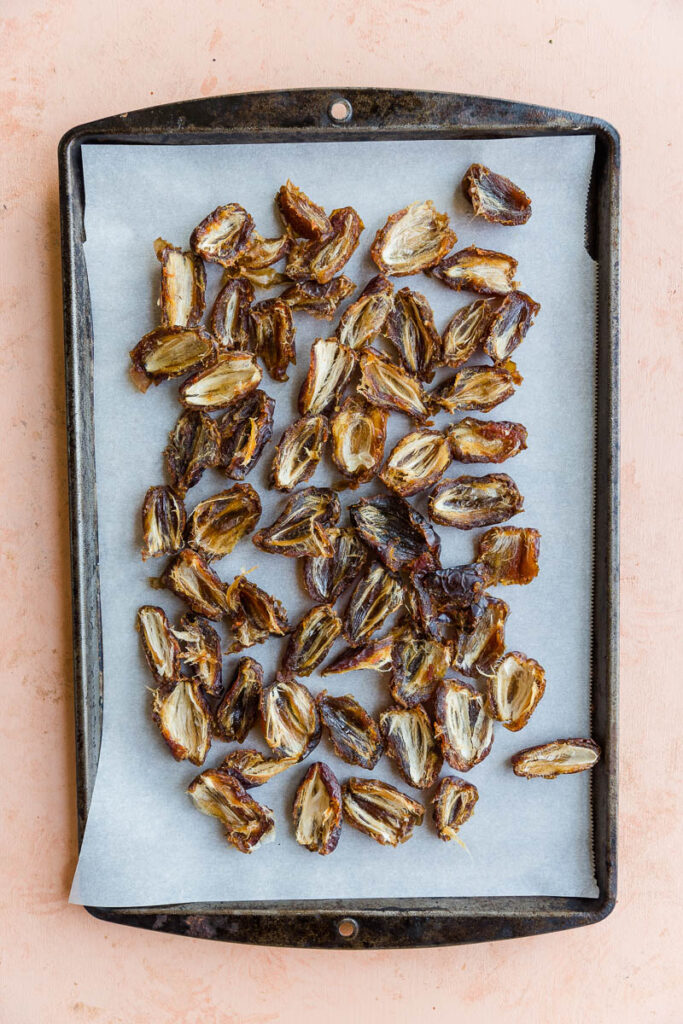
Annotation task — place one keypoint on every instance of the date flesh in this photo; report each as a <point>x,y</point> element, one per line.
<point>389,386</point>
<point>183,718</point>
<point>473,440</point>
<point>330,367</point>
<point>375,597</point>
<point>400,536</point>
<point>478,270</point>
<point>365,318</point>
<point>461,725</point>
<point>467,331</point>
<point>317,810</point>
<point>191,578</point>
<point>253,615</point>
<point>243,433</point>
<point>223,235</point>
<point>247,823</point>
<point>183,286</point>
<point>380,810</point>
<point>417,461</point>
<point>477,650</point>
<point>239,709</point>
<point>291,724</point>
<point>298,452</point>
<point>509,326</point>
<point>217,524</point>
<point>193,446</point>
<point>467,502</point>
<point>515,685</point>
<point>417,667</point>
<point>326,578</point>
<point>274,334</point>
<point>160,647</point>
<point>311,640</point>
<point>303,527</point>
<point>480,388</point>
<point>453,802</point>
<point>410,329</point>
<point>510,554</point>
<point>301,214</point>
<point>413,239</point>
<point>232,377</point>
<point>252,768</point>
<point>168,352</point>
<point>163,523</point>
<point>354,734</point>
<point>410,743</point>
<point>322,259</point>
<point>320,300</point>
<point>561,757</point>
<point>201,651</point>
<point>230,321</point>
<point>494,197</point>
<point>358,434</point>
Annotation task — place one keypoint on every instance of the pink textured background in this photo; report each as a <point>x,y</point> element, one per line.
<point>68,62</point>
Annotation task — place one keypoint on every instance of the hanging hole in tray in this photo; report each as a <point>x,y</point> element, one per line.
<point>340,111</point>
<point>348,928</point>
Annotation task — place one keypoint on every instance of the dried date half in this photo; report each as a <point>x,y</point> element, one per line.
<point>413,239</point>
<point>321,260</point>
<point>467,331</point>
<point>453,804</point>
<point>303,527</point>
<point>509,325</point>
<point>317,810</point>
<point>201,651</point>
<point>358,434</point>
<point>161,649</point>
<point>375,597</point>
<point>253,614</point>
<point>190,577</point>
<point>461,725</point>
<point>387,385</point>
<point>320,300</point>
<point>401,537</point>
<point>365,318</point>
<point>193,446</point>
<point>311,640</point>
<point>239,709</point>
<point>410,329</point>
<point>183,718</point>
<point>301,214</point>
<point>291,724</point>
<point>418,665</point>
<point>230,321</point>
<point>494,197</point>
<point>354,733</point>
<point>478,270</point>
<point>252,768</point>
<point>416,462</point>
<point>298,452</point>
<point>510,554</point>
<point>163,523</point>
<point>232,377</point>
<point>474,440</point>
<point>480,388</point>
<point>168,352</point>
<point>274,334</point>
<point>561,757</point>
<point>326,578</point>
<point>223,235</point>
<point>243,433</point>
<point>477,650</point>
<point>410,743</point>
<point>515,685</point>
<point>248,824</point>
<point>467,502</point>
<point>331,365</point>
<point>183,286</point>
<point>263,252</point>
<point>217,524</point>
<point>375,656</point>
<point>380,810</point>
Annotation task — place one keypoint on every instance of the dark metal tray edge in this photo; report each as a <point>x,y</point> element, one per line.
<point>293,116</point>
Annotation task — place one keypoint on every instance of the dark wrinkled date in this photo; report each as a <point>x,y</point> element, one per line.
<point>354,733</point>
<point>239,709</point>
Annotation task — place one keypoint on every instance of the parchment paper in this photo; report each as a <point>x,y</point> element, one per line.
<point>145,843</point>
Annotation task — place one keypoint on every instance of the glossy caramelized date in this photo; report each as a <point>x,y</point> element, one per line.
<point>326,578</point>
<point>253,768</point>
<point>418,665</point>
<point>239,709</point>
<point>354,734</point>
<point>317,810</point>
<point>183,718</point>
<point>410,329</point>
<point>461,725</point>
<point>253,614</point>
<point>365,318</point>
<point>311,640</point>
<point>193,446</point>
<point>358,434</point>
<point>401,537</point>
<point>494,197</point>
<point>509,325</point>
<point>467,502</point>
<point>417,461</point>
<point>476,651</point>
<point>159,644</point>
<point>303,527</point>
<point>217,524</point>
<point>331,365</point>
<point>467,331</point>
<point>376,595</point>
<point>223,235</point>
<point>481,388</point>
<point>410,743</point>
<point>298,452</point>
<point>191,578</point>
<point>230,321</point>
<point>183,286</point>
<point>274,332</point>
<point>301,214</point>
<point>220,794</point>
<point>380,810</point>
<point>478,270</point>
<point>413,239</point>
<point>453,804</point>
<point>291,724</point>
<point>510,554</point>
<point>232,377</point>
<point>201,652</point>
<point>168,352</point>
<point>473,440</point>
<point>243,433</point>
<point>321,260</point>
<point>561,757</point>
<point>320,300</point>
<point>514,686</point>
<point>163,523</point>
<point>387,385</point>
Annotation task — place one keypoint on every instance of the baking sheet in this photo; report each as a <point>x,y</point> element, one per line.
<point>144,842</point>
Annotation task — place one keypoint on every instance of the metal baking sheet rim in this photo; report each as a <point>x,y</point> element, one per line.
<point>366,114</point>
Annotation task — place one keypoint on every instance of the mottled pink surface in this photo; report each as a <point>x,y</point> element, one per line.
<point>68,62</point>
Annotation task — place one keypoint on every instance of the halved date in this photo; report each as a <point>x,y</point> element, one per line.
<point>168,352</point>
<point>217,524</point>
<point>375,656</point>
<point>380,810</point>
<point>183,285</point>
<point>413,239</point>
<point>291,724</point>
<point>481,388</point>
<point>354,734</point>
<point>190,577</point>
<point>418,665</point>
<point>453,805</point>
<point>274,333</point>
<point>467,502</point>
<point>243,433</point>
<point>252,768</point>
<point>330,367</point>
<point>467,331</point>
<point>301,214</point>
<point>161,649</point>
<point>375,597</point>
<point>477,650</point>
<point>326,578</point>
<point>317,810</point>
<point>263,252</point>
<point>311,640</point>
<point>220,794</point>
<point>320,300</point>
<point>365,318</point>
<point>239,709</point>
<point>303,527</point>
<point>478,270</point>
<point>193,446</point>
<point>510,553</point>
<point>233,376</point>
<point>474,440</point>
<point>390,387</point>
<point>253,615</point>
<point>401,537</point>
<point>461,725</point>
<point>494,197</point>
<point>223,235</point>
<point>201,650</point>
<point>561,757</point>
<point>183,718</point>
<point>358,433</point>
<point>515,685</point>
<point>322,259</point>
<point>509,325</point>
<point>163,523</point>
<point>298,452</point>
<point>444,591</point>
<point>230,320</point>
<point>410,743</point>
<point>417,461</point>
<point>411,330</point>
<point>265,277</point>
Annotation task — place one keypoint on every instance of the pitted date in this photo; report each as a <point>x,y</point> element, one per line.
<point>303,527</point>
<point>330,367</point>
<point>317,810</point>
<point>168,352</point>
<point>413,239</point>
<point>477,650</point>
<point>514,686</point>
<point>253,768</point>
<point>160,647</point>
<point>193,446</point>
<point>358,434</point>
<point>291,724</point>
<point>561,757</point>
<point>183,286</point>
<point>480,388</point>
<point>453,804</point>
<point>461,725</point>
<point>253,615</point>
<point>409,742</point>
<point>416,462</point>
<point>326,578</point>
<point>410,329</point>
<point>320,300</point>
<point>238,710</point>
<point>217,524</point>
<point>224,235</point>
<point>354,734</point>
<point>375,656</point>
<point>232,377</point>
<point>478,270</point>
<point>182,715</point>
<point>389,386</point>
<point>192,578</point>
<point>321,260</point>
<point>467,331</point>
<point>473,440</point>
<point>509,325</point>
<point>230,321</point>
<point>401,537</point>
<point>200,649</point>
<point>298,452</point>
<point>494,197</point>
<point>247,823</point>
<point>163,523</point>
<point>263,252</point>
<point>510,554</point>
<point>365,318</point>
<point>418,665</point>
<point>243,433</point>
<point>311,640</point>
<point>380,810</point>
<point>375,597</point>
<point>304,217</point>
<point>274,333</point>
<point>467,502</point>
